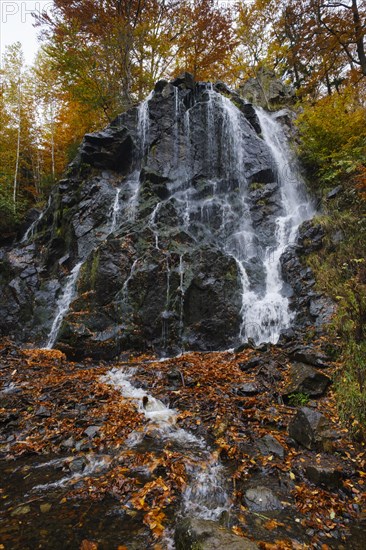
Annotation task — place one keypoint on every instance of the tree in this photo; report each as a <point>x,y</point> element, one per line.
<point>108,53</point>
<point>206,40</point>
<point>17,140</point>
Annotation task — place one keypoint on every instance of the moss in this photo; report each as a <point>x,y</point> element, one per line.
<point>94,269</point>
<point>256,185</point>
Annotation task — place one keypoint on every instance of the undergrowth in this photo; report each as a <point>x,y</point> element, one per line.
<point>333,150</point>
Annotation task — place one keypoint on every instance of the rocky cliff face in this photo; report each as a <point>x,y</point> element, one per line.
<point>160,236</point>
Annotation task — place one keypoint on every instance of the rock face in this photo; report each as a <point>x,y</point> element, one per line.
<point>158,236</point>
<point>267,91</point>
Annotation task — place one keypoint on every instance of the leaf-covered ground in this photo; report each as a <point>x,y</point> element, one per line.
<point>61,425</point>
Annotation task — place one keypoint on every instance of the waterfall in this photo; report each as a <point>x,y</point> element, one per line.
<point>130,189</point>
<point>265,317</point>
<point>220,213</point>
<point>31,229</point>
<point>115,210</point>
<point>211,161</point>
<point>63,304</point>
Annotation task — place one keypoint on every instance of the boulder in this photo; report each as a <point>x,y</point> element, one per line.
<point>312,430</point>
<point>326,476</point>
<point>194,534</point>
<point>261,499</point>
<point>304,379</point>
<point>266,90</point>
<point>306,354</point>
<point>268,445</point>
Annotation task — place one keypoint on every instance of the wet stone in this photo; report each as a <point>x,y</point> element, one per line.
<point>261,499</point>
<point>92,431</point>
<point>77,466</point>
<point>248,389</point>
<point>326,476</point>
<point>268,445</point>
<point>200,534</point>
<point>312,430</point>
<point>304,379</point>
<point>305,354</point>
<point>68,443</point>
<point>43,412</point>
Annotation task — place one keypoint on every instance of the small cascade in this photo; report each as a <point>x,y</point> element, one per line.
<point>115,210</point>
<point>124,292</point>
<point>125,210</point>
<point>153,225</point>
<point>205,496</point>
<point>32,228</point>
<point>143,124</point>
<point>63,304</point>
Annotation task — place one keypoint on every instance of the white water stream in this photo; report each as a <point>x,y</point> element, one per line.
<point>63,304</point>
<point>264,317</point>
<point>205,495</point>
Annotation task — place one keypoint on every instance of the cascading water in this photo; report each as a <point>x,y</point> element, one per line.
<point>205,495</point>
<point>265,317</point>
<point>126,209</point>
<point>201,183</point>
<point>223,212</point>
<point>32,228</point>
<point>63,304</point>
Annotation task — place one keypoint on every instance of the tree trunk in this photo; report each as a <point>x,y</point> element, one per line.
<point>15,184</point>
<point>359,35</point>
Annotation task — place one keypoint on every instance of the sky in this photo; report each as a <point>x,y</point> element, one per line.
<point>16,24</point>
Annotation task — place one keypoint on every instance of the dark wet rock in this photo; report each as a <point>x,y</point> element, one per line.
<point>326,476</point>
<point>268,445</point>
<point>261,499</point>
<point>306,354</point>
<point>251,363</point>
<point>68,443</point>
<point>312,430</point>
<point>92,431</point>
<point>43,412</point>
<point>310,307</point>
<point>185,80</point>
<point>311,236</point>
<point>77,465</point>
<point>175,377</point>
<point>304,379</point>
<point>83,445</point>
<point>200,534</point>
<point>246,345</point>
<point>250,388</point>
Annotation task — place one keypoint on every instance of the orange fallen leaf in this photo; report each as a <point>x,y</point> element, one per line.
<point>88,545</point>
